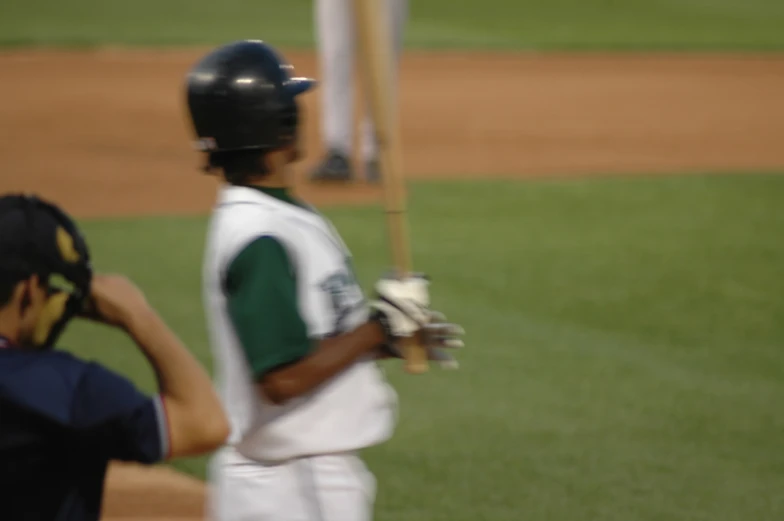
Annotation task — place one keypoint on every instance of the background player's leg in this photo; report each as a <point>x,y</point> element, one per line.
<point>397,11</point>
<point>335,37</point>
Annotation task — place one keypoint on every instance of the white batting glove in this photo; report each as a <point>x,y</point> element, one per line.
<point>401,305</point>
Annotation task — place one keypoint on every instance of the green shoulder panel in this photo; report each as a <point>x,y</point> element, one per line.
<point>261,290</point>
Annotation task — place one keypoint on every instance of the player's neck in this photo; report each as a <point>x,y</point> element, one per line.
<point>275,179</point>
<point>278,171</point>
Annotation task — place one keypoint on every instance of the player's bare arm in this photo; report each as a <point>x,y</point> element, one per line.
<point>196,421</point>
<point>399,312</point>
<point>331,356</point>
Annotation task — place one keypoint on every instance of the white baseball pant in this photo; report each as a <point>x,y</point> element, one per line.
<point>335,487</point>
<point>336,40</point>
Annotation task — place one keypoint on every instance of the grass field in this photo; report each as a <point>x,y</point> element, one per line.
<point>514,24</point>
<point>624,358</point>
<point>624,346</point>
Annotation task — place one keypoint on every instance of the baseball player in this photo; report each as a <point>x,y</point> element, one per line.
<point>63,419</point>
<point>295,343</point>
<point>336,47</point>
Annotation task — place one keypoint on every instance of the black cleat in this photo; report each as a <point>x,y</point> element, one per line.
<point>335,167</point>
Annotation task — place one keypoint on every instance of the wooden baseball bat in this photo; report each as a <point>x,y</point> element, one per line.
<point>376,61</point>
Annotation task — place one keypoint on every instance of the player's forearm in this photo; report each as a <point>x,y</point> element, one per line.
<point>197,422</point>
<point>332,356</point>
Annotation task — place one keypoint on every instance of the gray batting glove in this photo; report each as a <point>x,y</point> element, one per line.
<point>438,337</point>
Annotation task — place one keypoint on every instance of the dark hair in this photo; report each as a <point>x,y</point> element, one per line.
<point>238,165</point>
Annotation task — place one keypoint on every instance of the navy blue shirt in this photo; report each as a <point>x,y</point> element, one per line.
<point>61,421</point>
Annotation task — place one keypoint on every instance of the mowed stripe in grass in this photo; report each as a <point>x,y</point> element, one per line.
<point>624,345</point>
<point>624,352</point>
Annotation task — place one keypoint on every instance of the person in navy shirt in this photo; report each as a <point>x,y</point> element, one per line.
<point>63,419</point>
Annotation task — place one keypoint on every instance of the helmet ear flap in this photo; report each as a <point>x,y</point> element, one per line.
<point>288,124</point>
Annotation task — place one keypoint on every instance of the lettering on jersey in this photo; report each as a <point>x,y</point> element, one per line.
<point>345,295</point>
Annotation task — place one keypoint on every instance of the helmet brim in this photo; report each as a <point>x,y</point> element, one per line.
<point>297,86</point>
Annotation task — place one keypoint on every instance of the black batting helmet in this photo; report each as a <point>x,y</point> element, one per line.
<point>241,97</point>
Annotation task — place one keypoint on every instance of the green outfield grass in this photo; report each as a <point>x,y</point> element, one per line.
<point>514,24</point>
<point>624,358</point>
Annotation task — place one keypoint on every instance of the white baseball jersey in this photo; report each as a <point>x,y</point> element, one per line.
<point>353,410</point>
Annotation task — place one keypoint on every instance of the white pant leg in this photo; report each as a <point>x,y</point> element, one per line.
<point>397,13</point>
<point>339,487</point>
<point>322,488</point>
<point>335,37</point>
<point>240,489</point>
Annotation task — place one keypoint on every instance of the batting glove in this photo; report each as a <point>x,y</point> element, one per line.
<point>401,305</point>
<point>438,337</point>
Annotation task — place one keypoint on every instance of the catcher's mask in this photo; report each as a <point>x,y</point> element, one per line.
<point>37,238</point>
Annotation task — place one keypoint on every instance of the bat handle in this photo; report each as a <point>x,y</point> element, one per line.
<point>415,356</point>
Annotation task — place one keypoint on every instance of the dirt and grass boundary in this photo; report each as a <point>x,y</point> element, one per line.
<point>103,132</point>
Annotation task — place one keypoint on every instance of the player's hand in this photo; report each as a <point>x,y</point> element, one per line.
<point>114,300</point>
<point>401,305</point>
<point>440,334</point>
<point>437,337</point>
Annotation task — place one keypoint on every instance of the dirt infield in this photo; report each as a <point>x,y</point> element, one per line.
<point>104,133</point>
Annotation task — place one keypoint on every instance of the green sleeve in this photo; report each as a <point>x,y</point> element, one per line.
<point>261,289</point>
